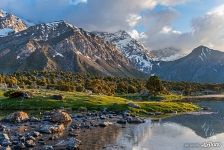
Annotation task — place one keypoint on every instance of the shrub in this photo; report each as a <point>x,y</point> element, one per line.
<point>17,94</point>
<point>80,88</point>
<point>8,93</point>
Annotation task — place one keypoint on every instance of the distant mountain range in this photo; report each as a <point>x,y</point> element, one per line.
<point>167,54</point>
<point>201,65</point>
<point>62,46</point>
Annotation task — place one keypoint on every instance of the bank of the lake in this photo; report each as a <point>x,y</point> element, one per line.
<point>42,100</point>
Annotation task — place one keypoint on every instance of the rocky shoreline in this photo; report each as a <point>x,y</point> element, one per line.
<point>56,129</point>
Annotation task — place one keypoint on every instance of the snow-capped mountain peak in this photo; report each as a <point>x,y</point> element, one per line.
<point>130,48</point>
<point>10,24</point>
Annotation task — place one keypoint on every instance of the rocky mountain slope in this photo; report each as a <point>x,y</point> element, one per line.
<point>61,46</point>
<point>201,65</point>
<point>130,48</point>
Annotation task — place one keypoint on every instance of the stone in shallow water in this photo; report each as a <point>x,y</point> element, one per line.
<point>105,124</point>
<point>135,120</point>
<point>48,129</point>
<point>48,147</point>
<point>122,121</point>
<point>60,116</point>
<point>69,144</point>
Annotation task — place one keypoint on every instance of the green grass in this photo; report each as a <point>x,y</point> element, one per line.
<point>75,100</point>
<point>161,97</point>
<point>169,97</point>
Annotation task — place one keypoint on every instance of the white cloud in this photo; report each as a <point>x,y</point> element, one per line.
<point>133,19</point>
<point>206,30</point>
<point>136,35</point>
<point>76,2</point>
<point>219,11</point>
<point>166,29</point>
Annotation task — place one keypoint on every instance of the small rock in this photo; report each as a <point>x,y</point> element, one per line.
<point>31,138</point>
<point>58,97</point>
<point>121,121</point>
<point>3,128</point>
<point>22,139</point>
<point>104,124</point>
<point>4,139</point>
<point>69,144</point>
<point>30,143</point>
<point>151,113</point>
<point>158,113</point>
<point>20,146</point>
<point>133,105</point>
<point>48,147</point>
<point>6,148</point>
<point>103,117</point>
<point>135,120</point>
<point>34,119</point>
<point>36,134</point>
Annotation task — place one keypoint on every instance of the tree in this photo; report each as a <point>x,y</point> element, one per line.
<point>154,85</point>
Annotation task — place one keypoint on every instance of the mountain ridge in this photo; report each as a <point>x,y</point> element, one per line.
<point>201,65</point>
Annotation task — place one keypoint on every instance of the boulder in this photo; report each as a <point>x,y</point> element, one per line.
<point>69,144</point>
<point>30,143</point>
<point>104,124</point>
<point>58,97</point>
<point>48,147</point>
<point>34,119</point>
<point>17,117</point>
<point>4,139</point>
<point>60,116</point>
<point>133,105</point>
<point>49,129</point>
<point>18,94</point>
<point>135,120</point>
<point>122,121</point>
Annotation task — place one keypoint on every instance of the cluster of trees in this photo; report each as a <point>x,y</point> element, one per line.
<point>67,81</point>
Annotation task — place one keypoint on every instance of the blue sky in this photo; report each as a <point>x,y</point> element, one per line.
<point>183,24</point>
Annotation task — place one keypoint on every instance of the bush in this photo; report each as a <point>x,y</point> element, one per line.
<point>80,88</point>
<point>8,93</point>
<point>17,94</point>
